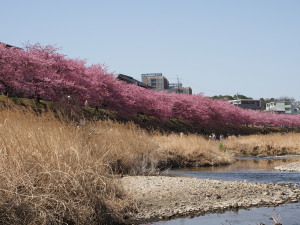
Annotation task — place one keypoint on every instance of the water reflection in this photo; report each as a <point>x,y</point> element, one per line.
<point>252,170</point>
<point>265,164</point>
<point>289,214</point>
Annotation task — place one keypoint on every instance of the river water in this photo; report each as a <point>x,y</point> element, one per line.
<point>258,170</point>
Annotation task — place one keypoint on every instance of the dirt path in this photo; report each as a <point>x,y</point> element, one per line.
<point>163,198</point>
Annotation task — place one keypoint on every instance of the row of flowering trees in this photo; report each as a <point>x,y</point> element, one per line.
<point>42,72</point>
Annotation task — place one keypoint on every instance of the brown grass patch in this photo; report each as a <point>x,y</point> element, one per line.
<point>192,150</point>
<point>51,173</point>
<point>55,171</point>
<point>264,145</point>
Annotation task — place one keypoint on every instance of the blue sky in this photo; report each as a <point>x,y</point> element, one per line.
<point>251,47</point>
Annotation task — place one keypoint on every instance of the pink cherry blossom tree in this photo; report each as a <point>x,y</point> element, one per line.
<point>42,72</point>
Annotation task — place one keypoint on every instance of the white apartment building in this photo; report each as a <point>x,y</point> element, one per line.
<point>287,107</point>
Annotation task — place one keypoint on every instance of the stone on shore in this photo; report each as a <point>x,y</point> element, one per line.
<point>163,198</point>
<point>292,167</point>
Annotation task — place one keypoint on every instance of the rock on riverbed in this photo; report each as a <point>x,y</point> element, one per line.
<point>292,167</point>
<point>163,198</point>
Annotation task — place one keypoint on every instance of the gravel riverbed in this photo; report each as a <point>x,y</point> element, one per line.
<point>292,167</point>
<point>164,198</point>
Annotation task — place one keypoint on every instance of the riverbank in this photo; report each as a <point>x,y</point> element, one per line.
<point>164,198</point>
<point>292,167</point>
<point>40,151</point>
<point>56,170</point>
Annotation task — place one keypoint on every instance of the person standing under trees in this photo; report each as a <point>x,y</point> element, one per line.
<point>212,136</point>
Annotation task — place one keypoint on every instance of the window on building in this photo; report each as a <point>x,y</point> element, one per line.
<point>153,82</point>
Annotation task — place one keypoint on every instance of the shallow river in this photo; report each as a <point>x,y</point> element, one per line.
<point>252,170</point>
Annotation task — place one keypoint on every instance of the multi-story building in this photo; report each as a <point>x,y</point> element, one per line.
<point>178,88</point>
<point>155,80</point>
<point>159,82</point>
<point>284,106</point>
<point>247,104</point>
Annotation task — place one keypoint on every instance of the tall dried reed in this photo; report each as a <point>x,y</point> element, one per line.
<point>55,171</point>
<point>192,150</point>
<point>50,173</point>
<point>130,150</point>
<point>264,145</point>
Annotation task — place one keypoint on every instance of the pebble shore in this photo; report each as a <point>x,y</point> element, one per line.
<point>292,167</point>
<point>164,198</point>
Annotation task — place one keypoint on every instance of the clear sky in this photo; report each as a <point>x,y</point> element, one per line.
<point>251,47</point>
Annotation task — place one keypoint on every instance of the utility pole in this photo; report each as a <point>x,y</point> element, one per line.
<point>178,85</point>
<point>237,96</point>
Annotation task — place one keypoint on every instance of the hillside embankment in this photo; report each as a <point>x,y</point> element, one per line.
<point>147,123</point>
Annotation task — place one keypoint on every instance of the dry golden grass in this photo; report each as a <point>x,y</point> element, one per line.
<point>264,145</point>
<point>192,150</point>
<point>54,171</point>
<point>130,150</point>
<point>124,147</point>
<point>50,173</point>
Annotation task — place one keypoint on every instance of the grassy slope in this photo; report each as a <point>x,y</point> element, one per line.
<point>150,123</point>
